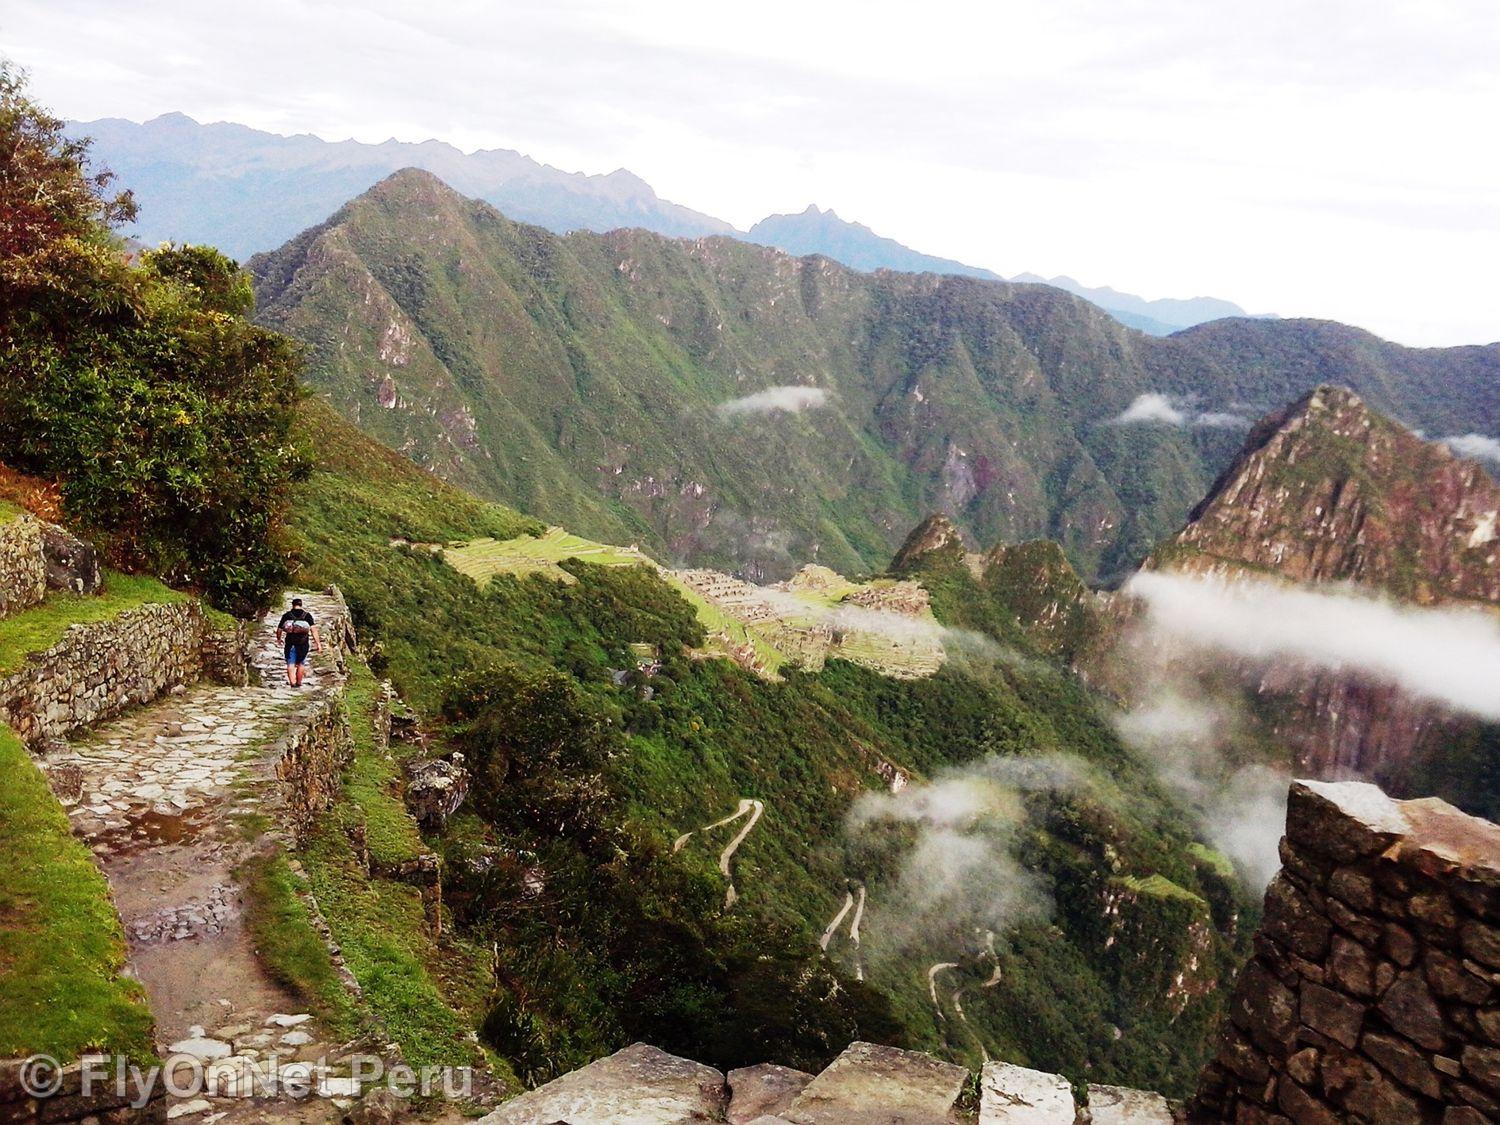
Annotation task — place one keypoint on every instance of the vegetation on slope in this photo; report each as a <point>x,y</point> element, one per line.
<point>577,378</point>
<point>564,865</point>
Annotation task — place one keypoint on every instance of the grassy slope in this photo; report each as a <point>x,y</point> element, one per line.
<point>714,734</point>
<point>40,627</point>
<point>61,947</point>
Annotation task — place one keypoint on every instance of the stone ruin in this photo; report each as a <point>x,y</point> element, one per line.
<point>1372,991</point>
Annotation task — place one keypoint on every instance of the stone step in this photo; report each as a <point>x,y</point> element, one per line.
<point>1016,1095</point>
<point>640,1085</point>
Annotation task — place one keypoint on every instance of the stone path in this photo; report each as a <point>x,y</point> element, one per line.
<point>165,797</point>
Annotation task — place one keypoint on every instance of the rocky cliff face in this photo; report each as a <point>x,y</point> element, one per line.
<point>1327,490</point>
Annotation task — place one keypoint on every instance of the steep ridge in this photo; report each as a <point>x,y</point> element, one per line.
<point>1329,491</point>
<point>579,378</point>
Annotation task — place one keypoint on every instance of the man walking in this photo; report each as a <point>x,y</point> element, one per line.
<point>295,630</point>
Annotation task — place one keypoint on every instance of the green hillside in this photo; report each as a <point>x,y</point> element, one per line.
<point>583,784</point>
<point>577,378</point>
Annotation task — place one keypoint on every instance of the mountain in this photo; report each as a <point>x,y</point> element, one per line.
<point>822,232</point>
<point>245,190</point>
<point>1327,490</point>
<point>1160,317</point>
<point>854,244</point>
<point>617,384</point>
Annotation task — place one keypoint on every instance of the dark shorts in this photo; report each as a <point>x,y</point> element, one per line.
<point>296,650</point>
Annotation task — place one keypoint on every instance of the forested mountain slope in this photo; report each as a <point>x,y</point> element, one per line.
<point>581,378</point>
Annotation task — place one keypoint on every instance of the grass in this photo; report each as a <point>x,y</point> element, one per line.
<point>482,559</point>
<point>288,945</point>
<point>372,781</point>
<point>428,994</point>
<point>1159,886</point>
<point>62,950</point>
<point>40,627</point>
<point>9,511</point>
<point>1215,861</point>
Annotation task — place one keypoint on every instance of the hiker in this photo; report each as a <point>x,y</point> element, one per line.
<point>295,630</point>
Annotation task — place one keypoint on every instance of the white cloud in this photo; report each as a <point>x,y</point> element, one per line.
<point>1451,656</point>
<point>961,871</point>
<point>786,400</point>
<point>1153,409</point>
<point>1478,446</point>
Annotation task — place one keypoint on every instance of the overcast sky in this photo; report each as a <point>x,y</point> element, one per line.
<point>1303,157</point>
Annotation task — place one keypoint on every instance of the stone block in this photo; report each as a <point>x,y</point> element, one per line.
<point>640,1085</point>
<point>763,1091</point>
<point>1016,1095</point>
<point>875,1085</point>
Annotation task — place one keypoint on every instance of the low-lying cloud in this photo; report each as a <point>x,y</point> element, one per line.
<point>961,872</point>
<point>1451,656</point>
<point>775,400</point>
<point>1153,409</point>
<point>1479,446</point>
<point>1186,738</point>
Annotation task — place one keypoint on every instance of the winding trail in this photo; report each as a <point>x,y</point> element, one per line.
<point>858,906</point>
<point>956,1000</point>
<point>747,805</point>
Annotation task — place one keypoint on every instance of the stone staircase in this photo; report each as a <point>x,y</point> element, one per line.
<point>866,1085</point>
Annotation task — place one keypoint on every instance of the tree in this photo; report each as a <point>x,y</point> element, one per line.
<point>136,380</point>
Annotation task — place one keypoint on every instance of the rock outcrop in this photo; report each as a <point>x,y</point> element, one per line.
<point>1372,993</point>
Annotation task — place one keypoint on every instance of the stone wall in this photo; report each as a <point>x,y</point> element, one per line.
<point>23,567</point>
<point>99,670</point>
<point>1372,991</point>
<point>314,752</point>
<point>92,1101</point>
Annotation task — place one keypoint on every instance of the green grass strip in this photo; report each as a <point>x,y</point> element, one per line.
<point>61,946</point>
<point>40,627</point>
<point>290,947</point>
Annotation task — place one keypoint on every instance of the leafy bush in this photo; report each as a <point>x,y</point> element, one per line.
<point>167,415</point>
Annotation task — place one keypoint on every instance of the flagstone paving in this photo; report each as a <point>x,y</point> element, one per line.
<point>162,796</point>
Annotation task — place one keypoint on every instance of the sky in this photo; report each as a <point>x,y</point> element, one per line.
<point>1330,158</point>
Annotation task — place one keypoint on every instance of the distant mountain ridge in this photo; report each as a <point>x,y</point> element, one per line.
<point>245,190</point>
<point>248,191</point>
<point>855,245</point>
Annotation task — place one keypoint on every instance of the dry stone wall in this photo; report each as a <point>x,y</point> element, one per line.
<point>1372,992</point>
<point>23,566</point>
<point>99,670</point>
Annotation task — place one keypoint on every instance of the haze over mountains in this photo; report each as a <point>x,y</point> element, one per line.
<point>581,378</point>
<point>247,191</point>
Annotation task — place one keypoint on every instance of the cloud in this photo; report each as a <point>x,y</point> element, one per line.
<point>1153,409</point>
<point>1186,738</point>
<point>961,871</point>
<point>1478,446</point>
<point>788,400</point>
<point>1451,656</point>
